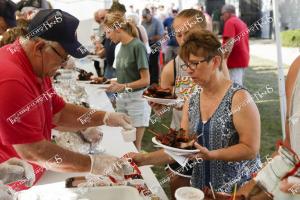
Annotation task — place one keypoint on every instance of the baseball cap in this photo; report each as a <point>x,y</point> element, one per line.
<point>7,11</point>
<point>146,12</point>
<point>59,26</point>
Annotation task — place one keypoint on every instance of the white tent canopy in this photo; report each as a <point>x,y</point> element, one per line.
<point>84,11</point>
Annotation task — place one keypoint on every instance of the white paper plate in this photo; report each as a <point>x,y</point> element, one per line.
<point>101,86</point>
<point>87,81</point>
<point>173,149</point>
<point>94,57</point>
<point>167,102</point>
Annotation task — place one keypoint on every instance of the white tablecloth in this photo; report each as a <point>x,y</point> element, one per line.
<point>113,144</point>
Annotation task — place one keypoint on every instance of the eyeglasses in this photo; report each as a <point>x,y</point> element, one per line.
<point>64,60</point>
<point>193,65</point>
<point>180,34</point>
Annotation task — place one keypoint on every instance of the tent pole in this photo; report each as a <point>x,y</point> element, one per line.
<point>281,79</point>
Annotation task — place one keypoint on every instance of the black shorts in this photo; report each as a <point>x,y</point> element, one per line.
<point>182,171</point>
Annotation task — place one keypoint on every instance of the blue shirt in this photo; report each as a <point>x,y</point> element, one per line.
<point>109,47</point>
<point>154,27</point>
<point>168,24</point>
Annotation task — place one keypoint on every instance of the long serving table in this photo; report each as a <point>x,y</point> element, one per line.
<point>112,142</point>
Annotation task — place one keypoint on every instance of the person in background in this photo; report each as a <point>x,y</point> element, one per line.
<point>106,49</point>
<point>14,169</point>
<point>7,15</point>
<point>27,13</point>
<point>98,39</point>
<point>216,17</point>
<point>27,9</point>
<point>161,13</point>
<point>99,18</point>
<point>236,52</point>
<point>131,10</point>
<point>10,35</point>
<point>40,4</point>
<point>155,32</point>
<point>172,47</point>
<point>134,18</point>
<point>117,7</point>
<point>132,73</point>
<point>207,16</point>
<point>173,76</point>
<point>26,67</point>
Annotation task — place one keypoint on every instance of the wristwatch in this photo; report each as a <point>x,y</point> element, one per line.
<point>128,89</point>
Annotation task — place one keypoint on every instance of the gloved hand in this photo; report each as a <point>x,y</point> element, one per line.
<point>6,193</point>
<point>117,119</point>
<point>92,134</point>
<point>16,169</point>
<point>104,164</point>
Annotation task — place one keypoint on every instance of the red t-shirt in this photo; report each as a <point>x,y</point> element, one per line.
<point>237,29</point>
<point>22,94</point>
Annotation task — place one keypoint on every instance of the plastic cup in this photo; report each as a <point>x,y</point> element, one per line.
<point>189,193</point>
<point>129,135</point>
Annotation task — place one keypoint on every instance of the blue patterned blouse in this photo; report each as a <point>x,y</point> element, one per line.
<point>219,132</point>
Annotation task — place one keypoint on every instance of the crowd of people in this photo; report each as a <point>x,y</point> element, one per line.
<point>208,80</point>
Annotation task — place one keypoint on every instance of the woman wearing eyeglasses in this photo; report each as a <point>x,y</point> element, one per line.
<point>222,114</point>
<point>173,77</point>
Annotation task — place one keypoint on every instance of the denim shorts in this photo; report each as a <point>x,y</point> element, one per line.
<point>135,106</point>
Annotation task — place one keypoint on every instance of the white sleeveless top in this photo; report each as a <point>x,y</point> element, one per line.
<point>294,120</point>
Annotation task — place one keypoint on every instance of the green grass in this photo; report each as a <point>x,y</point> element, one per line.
<point>260,73</point>
<point>290,38</point>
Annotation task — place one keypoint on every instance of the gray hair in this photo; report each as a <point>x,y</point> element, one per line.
<point>228,8</point>
<point>134,18</point>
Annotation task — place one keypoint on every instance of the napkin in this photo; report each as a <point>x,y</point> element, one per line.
<point>182,160</point>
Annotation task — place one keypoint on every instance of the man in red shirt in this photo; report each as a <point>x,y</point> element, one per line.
<point>235,44</point>
<point>29,106</point>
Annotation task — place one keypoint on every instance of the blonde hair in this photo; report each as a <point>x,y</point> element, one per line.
<point>10,35</point>
<point>116,20</point>
<point>193,13</point>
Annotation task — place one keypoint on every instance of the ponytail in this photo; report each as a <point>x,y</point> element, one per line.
<point>131,29</point>
<point>117,20</point>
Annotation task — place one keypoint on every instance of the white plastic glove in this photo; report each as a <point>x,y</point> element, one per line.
<point>16,169</point>
<point>92,134</point>
<point>6,193</point>
<point>117,119</point>
<point>104,164</point>
<point>270,176</point>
